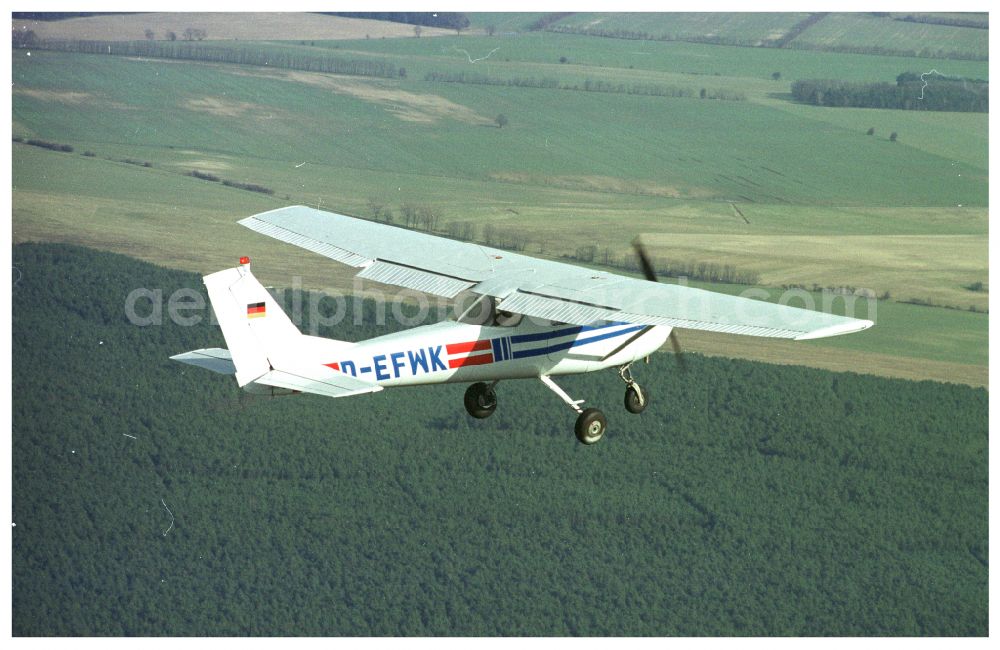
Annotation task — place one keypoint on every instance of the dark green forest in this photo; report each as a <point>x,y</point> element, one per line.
<point>912,91</point>
<point>749,499</point>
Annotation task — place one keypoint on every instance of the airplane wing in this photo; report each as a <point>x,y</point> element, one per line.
<point>541,288</point>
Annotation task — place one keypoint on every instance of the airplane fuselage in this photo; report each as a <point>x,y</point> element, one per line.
<point>452,351</point>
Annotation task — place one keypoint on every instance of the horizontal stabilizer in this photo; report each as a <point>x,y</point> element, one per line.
<point>214,359</point>
<point>333,385</point>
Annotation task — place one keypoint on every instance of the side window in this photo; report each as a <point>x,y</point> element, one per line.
<point>508,319</point>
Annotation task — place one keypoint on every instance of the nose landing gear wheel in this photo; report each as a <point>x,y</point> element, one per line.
<point>480,400</point>
<point>636,399</point>
<point>590,426</point>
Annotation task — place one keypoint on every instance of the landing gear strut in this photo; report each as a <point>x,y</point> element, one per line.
<point>636,399</point>
<point>591,423</point>
<point>481,399</point>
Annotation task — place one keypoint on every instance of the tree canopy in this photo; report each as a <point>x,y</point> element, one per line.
<point>153,498</point>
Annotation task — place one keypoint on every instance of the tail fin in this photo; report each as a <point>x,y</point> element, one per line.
<point>260,336</point>
<point>265,347</point>
<point>251,321</point>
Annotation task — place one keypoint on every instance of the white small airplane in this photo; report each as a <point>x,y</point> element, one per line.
<point>530,318</point>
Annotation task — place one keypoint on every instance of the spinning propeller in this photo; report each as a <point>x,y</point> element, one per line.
<point>647,270</point>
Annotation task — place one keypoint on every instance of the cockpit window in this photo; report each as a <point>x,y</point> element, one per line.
<point>482,310</point>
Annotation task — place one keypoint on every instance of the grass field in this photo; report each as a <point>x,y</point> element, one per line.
<point>860,30</point>
<point>798,193</point>
<point>751,28</point>
<point>139,215</point>
<point>503,21</point>
<point>695,59</point>
<point>835,30</point>
<point>764,157</point>
<point>960,138</point>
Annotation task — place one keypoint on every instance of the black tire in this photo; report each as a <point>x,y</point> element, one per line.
<point>632,402</point>
<point>480,400</point>
<point>590,426</point>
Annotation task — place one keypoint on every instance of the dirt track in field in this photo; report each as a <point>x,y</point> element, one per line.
<point>68,97</point>
<point>408,106</point>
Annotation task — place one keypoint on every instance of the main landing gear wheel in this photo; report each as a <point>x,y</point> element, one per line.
<point>590,426</point>
<point>480,400</point>
<point>636,399</point>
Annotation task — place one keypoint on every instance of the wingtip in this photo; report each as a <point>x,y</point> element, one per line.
<point>257,216</point>
<point>850,327</point>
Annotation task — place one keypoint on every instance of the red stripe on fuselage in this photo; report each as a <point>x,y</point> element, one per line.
<point>334,366</point>
<point>476,360</point>
<point>471,346</point>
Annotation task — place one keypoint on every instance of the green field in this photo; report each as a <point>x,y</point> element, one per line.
<point>835,31</point>
<point>684,157</point>
<point>959,138</point>
<point>696,60</point>
<point>752,28</point>
<point>847,30</point>
<point>821,202</point>
<point>330,124</point>
<point>140,216</point>
<point>849,498</point>
<point>149,498</point>
<point>504,21</point>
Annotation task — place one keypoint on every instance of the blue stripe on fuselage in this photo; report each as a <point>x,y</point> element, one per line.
<point>566,345</point>
<point>544,336</point>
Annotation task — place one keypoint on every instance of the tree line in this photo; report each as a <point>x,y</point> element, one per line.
<point>640,35</point>
<point>60,15</point>
<point>443,19</point>
<point>588,85</point>
<point>197,51</point>
<point>44,144</point>
<point>951,21</point>
<point>250,187</point>
<point>410,215</point>
<point>880,50</point>
<point>544,21</point>
<point>910,92</point>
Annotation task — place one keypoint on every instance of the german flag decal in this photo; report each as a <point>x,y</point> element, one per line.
<point>255,310</point>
